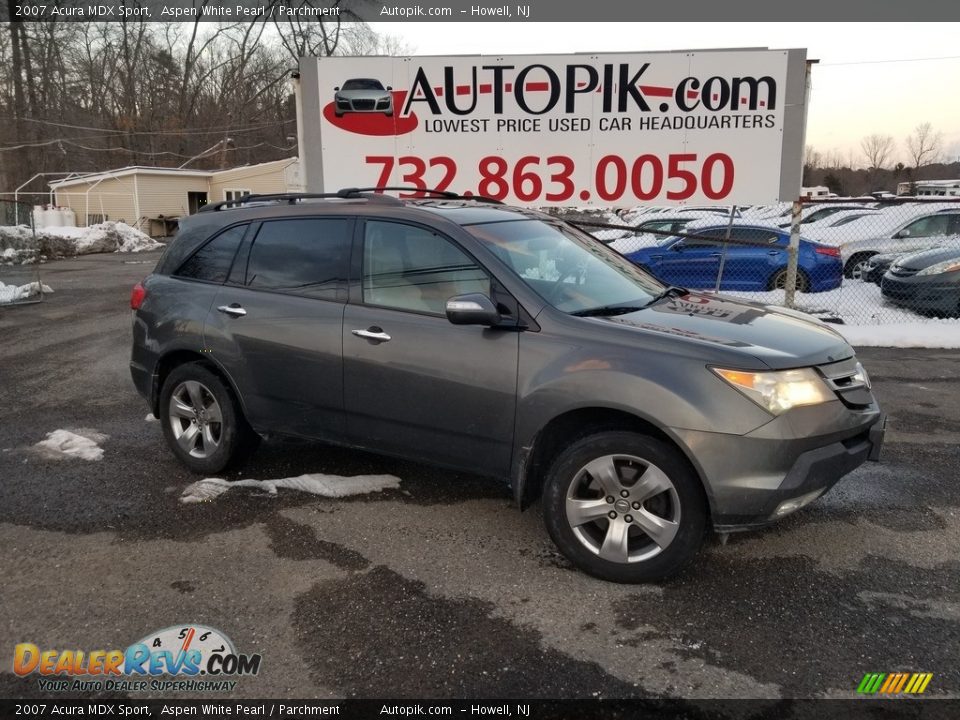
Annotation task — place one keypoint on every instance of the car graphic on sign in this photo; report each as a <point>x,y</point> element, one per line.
<point>363,95</point>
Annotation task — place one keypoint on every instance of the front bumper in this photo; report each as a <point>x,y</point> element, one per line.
<point>922,295</point>
<point>755,479</point>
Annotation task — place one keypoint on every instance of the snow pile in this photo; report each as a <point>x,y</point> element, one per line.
<point>79,443</point>
<point>919,334</point>
<point>334,486</point>
<point>13,293</point>
<point>69,241</point>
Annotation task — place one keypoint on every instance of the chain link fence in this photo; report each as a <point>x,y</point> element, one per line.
<point>20,256</point>
<point>858,261</point>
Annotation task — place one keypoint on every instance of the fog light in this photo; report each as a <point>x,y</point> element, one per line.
<point>794,504</point>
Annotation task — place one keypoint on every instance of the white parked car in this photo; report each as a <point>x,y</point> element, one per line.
<point>917,233</point>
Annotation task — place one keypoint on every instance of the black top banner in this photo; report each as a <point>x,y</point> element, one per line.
<point>854,11</point>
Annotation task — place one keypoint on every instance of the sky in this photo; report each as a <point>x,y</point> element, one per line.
<point>871,78</point>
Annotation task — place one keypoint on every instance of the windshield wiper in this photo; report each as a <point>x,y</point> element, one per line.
<point>607,310</point>
<point>671,291</point>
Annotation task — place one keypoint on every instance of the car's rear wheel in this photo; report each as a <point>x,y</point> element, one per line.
<point>856,266</point>
<point>625,507</point>
<point>778,281</point>
<point>202,420</point>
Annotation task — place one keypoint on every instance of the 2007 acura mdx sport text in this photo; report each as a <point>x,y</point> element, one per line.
<point>501,341</point>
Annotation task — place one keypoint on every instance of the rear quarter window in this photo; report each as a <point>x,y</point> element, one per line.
<point>213,260</point>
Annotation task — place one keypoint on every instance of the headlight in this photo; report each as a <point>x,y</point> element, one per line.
<point>777,392</point>
<point>941,267</point>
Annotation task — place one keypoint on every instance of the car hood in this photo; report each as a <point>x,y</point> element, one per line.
<point>778,337</point>
<point>921,260</point>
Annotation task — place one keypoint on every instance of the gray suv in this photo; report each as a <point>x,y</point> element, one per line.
<point>500,341</point>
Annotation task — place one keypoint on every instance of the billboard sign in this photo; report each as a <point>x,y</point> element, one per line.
<point>710,127</point>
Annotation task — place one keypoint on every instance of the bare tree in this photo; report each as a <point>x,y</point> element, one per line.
<point>812,158</point>
<point>924,145</point>
<point>877,149</point>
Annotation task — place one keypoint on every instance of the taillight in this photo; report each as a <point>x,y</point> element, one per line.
<point>137,296</point>
<point>827,250</point>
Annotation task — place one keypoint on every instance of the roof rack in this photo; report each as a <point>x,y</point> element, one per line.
<point>444,194</point>
<point>374,194</point>
<point>344,194</point>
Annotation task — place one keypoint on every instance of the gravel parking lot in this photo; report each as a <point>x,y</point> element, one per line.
<point>441,588</point>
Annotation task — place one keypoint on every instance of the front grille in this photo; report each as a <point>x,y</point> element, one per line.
<point>898,271</point>
<point>849,381</point>
<point>363,104</point>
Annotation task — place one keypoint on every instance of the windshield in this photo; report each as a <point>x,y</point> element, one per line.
<point>569,269</point>
<point>362,84</point>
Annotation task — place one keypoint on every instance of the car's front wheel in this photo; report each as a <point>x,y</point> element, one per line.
<point>202,420</point>
<point>625,507</point>
<point>857,265</point>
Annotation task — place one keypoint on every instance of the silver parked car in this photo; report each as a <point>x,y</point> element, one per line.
<point>363,95</point>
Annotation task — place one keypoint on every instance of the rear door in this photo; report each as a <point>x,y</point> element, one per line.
<point>415,384</point>
<point>752,258</point>
<point>276,324</point>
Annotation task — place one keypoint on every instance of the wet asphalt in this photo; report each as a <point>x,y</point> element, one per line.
<point>441,588</point>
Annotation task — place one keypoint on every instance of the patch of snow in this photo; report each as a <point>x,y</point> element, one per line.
<point>13,293</point>
<point>921,334</point>
<point>108,236</point>
<point>150,418</point>
<point>80,443</point>
<point>334,486</point>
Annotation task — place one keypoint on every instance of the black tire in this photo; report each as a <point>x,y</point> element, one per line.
<point>778,281</point>
<point>849,270</point>
<point>685,501</point>
<point>235,439</point>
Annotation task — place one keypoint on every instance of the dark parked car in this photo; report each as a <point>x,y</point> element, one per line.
<point>362,95</point>
<point>756,259</point>
<point>926,282</point>
<point>876,267</point>
<point>504,342</point>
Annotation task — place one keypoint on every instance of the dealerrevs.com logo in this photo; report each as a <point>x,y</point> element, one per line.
<point>198,658</point>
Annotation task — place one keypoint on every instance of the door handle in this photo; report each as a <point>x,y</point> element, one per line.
<point>715,254</point>
<point>373,333</point>
<point>235,310</point>
<point>773,252</point>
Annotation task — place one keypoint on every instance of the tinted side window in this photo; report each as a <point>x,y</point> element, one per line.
<point>212,261</point>
<point>699,242</point>
<point>306,257</point>
<point>754,237</point>
<point>928,226</point>
<point>410,268</point>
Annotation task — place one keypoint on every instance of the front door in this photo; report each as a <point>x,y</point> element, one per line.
<point>415,384</point>
<point>195,201</point>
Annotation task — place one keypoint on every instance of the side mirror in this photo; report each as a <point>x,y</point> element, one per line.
<point>903,234</point>
<point>472,309</point>
<point>389,88</point>
<point>337,89</point>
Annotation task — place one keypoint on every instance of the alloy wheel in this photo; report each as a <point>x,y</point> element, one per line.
<point>623,508</point>
<point>196,419</point>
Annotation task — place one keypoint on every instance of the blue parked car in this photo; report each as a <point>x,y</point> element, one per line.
<point>759,265</point>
